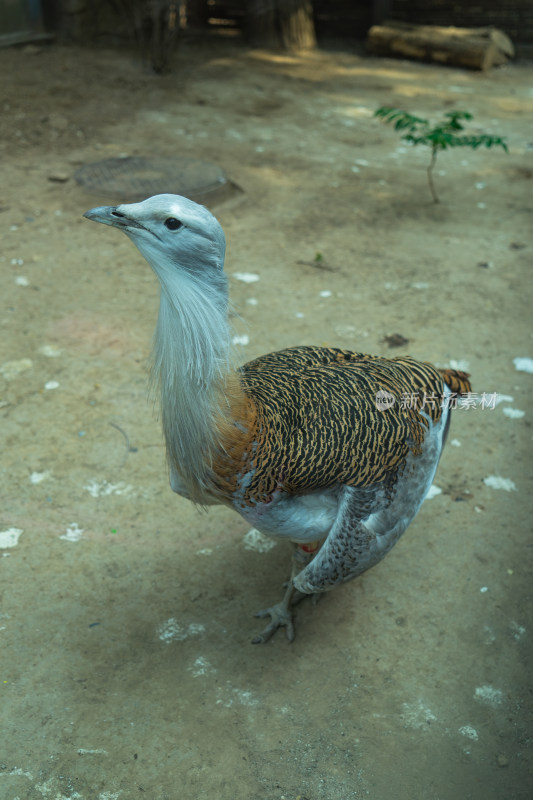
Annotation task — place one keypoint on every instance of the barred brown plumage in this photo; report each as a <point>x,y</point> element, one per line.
<point>318,423</point>
<point>330,449</point>
<point>456,380</point>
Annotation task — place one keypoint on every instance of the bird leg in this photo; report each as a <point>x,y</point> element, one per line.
<point>280,614</point>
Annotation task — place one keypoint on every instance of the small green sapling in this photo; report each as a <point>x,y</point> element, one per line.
<point>443,135</point>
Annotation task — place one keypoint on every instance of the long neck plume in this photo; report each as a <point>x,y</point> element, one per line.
<point>191,362</point>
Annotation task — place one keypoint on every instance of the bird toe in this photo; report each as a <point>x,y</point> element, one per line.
<point>280,617</point>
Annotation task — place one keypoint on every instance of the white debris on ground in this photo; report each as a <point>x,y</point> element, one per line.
<point>50,351</point>
<point>523,364</point>
<point>39,477</point>
<point>497,482</point>
<point>255,540</point>
<point>12,369</point>
<point>171,631</point>
<point>10,537</point>
<point>417,715</point>
<point>104,488</point>
<point>73,533</point>
<point>469,732</point>
<point>201,667</point>
<point>246,277</point>
<point>489,695</point>
<point>513,413</point>
<point>243,339</point>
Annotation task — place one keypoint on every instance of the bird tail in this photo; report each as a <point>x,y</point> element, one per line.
<point>456,381</point>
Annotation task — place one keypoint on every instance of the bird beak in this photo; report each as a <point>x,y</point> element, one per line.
<point>105,214</point>
<point>110,215</point>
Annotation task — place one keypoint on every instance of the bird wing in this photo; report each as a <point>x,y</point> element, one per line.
<point>313,422</point>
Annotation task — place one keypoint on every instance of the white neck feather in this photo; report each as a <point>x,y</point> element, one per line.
<point>191,360</point>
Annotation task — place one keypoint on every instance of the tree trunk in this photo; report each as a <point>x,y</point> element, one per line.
<point>197,13</point>
<point>297,24</point>
<point>281,23</point>
<point>476,48</point>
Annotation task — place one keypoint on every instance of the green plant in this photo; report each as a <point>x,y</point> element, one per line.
<point>445,134</point>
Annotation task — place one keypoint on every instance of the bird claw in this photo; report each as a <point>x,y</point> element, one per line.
<point>281,617</point>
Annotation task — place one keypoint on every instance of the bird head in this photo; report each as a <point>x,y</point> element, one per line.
<point>173,234</point>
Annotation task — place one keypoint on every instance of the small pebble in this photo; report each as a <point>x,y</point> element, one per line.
<point>246,277</point>
<point>59,177</point>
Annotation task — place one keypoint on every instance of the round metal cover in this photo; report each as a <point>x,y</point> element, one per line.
<point>132,179</point>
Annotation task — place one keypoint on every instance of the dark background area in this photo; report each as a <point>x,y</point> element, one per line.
<point>348,20</point>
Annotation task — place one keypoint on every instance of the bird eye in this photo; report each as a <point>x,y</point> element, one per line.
<point>173,224</point>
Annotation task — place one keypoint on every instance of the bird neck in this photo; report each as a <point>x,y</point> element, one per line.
<point>192,364</point>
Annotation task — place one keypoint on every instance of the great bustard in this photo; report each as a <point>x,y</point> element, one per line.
<point>309,444</point>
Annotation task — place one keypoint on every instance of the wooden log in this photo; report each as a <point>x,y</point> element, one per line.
<point>475,48</point>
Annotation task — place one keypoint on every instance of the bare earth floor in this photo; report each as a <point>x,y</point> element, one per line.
<point>126,615</point>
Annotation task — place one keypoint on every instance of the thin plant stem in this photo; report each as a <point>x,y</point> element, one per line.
<point>430,175</point>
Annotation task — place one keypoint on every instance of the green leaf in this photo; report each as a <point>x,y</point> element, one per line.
<point>402,119</point>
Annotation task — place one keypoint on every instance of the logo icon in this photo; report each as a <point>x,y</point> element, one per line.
<point>384,400</point>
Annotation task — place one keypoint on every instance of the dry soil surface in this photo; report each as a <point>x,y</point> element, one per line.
<point>126,618</point>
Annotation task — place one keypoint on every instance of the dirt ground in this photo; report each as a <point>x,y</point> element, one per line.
<point>126,616</point>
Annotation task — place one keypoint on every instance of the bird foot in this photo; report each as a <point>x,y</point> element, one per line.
<point>280,617</point>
